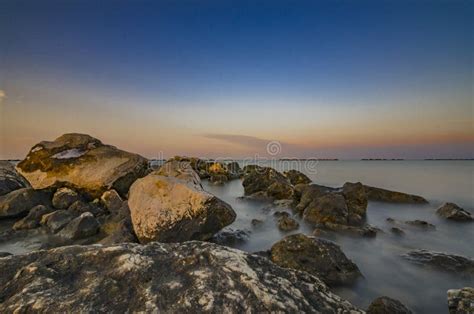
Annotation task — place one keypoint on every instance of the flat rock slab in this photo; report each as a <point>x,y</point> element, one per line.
<point>445,262</point>
<point>191,277</point>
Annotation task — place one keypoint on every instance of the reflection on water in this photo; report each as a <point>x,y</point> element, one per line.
<point>385,273</point>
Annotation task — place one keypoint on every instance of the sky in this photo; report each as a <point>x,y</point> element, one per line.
<point>324,79</point>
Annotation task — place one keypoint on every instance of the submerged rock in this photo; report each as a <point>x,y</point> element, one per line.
<point>454,212</point>
<point>446,262</point>
<point>168,209</point>
<point>19,202</point>
<point>266,182</point>
<point>297,177</point>
<point>10,179</point>
<point>397,231</point>
<point>318,257</point>
<point>231,237</point>
<point>286,223</point>
<point>362,231</point>
<point>461,301</point>
<point>80,227</point>
<point>386,305</point>
<point>382,195</point>
<point>65,197</point>
<point>218,179</point>
<point>32,220</point>
<point>420,223</point>
<point>190,277</point>
<point>82,162</point>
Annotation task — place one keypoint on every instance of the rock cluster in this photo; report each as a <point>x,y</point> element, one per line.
<point>191,277</point>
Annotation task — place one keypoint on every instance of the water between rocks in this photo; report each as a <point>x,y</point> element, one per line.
<point>385,273</point>
<point>424,291</point>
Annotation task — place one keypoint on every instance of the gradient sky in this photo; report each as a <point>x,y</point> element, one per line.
<point>344,79</point>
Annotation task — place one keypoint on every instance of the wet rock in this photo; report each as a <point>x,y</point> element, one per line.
<point>461,301</point>
<point>356,198</point>
<point>80,227</point>
<point>318,257</point>
<point>397,231</point>
<point>159,277</point>
<point>168,209</point>
<point>330,207</point>
<point>454,212</point>
<point>32,220</point>
<point>362,231</point>
<point>267,182</point>
<point>297,177</point>
<point>281,214</point>
<point>111,200</point>
<point>308,193</point>
<point>231,237</point>
<point>19,202</point>
<point>5,254</point>
<point>420,223</point>
<point>82,162</point>
<point>218,179</point>
<point>256,222</point>
<point>10,179</point>
<point>56,220</point>
<point>65,197</point>
<point>287,224</point>
<point>382,195</point>
<point>445,262</point>
<point>385,305</point>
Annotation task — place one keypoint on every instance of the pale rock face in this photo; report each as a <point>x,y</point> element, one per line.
<point>82,162</point>
<point>179,169</point>
<point>168,209</point>
<point>190,277</point>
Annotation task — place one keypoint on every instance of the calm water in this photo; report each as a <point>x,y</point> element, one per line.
<point>385,273</point>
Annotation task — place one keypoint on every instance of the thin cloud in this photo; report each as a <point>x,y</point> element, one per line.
<point>244,140</point>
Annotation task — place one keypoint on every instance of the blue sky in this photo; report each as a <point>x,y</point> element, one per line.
<point>177,71</point>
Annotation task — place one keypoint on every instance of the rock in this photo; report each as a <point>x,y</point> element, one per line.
<point>32,220</point>
<point>382,195</point>
<point>83,163</point>
<point>330,207</point>
<point>56,220</point>
<point>420,223</point>
<point>385,305</point>
<point>181,170</point>
<point>234,170</point>
<point>218,179</point>
<point>79,207</point>
<point>363,231</point>
<point>280,214</point>
<point>19,202</point>
<point>118,227</point>
<point>461,301</point>
<point>454,212</point>
<point>230,237</point>
<point>10,180</point>
<point>111,200</point>
<point>297,177</point>
<point>268,182</point>
<point>287,224</point>
<point>308,193</point>
<point>397,231</point>
<point>256,222</point>
<point>217,168</point>
<point>169,209</point>
<point>445,262</point>
<point>356,198</point>
<point>318,257</point>
<point>65,197</point>
<point>80,227</point>
<point>191,277</point>
<point>5,254</point>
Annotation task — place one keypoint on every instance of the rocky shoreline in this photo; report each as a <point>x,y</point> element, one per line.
<point>124,236</point>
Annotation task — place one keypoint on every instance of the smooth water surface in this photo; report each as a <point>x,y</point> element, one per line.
<point>385,273</point>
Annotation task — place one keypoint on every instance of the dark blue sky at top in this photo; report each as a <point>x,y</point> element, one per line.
<point>176,49</point>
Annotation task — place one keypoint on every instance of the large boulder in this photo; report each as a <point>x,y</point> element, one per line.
<point>297,177</point>
<point>18,203</point>
<point>385,305</point>
<point>82,162</point>
<point>457,264</point>
<point>382,195</point>
<point>10,180</point>
<point>191,277</point>
<point>169,209</point>
<point>461,301</point>
<point>267,182</point>
<point>454,212</point>
<point>318,257</point>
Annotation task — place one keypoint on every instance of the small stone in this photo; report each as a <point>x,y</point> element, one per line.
<point>80,227</point>
<point>65,197</point>
<point>56,220</point>
<point>454,212</point>
<point>32,220</point>
<point>287,224</point>
<point>256,222</point>
<point>397,231</point>
<point>420,223</point>
<point>111,200</point>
